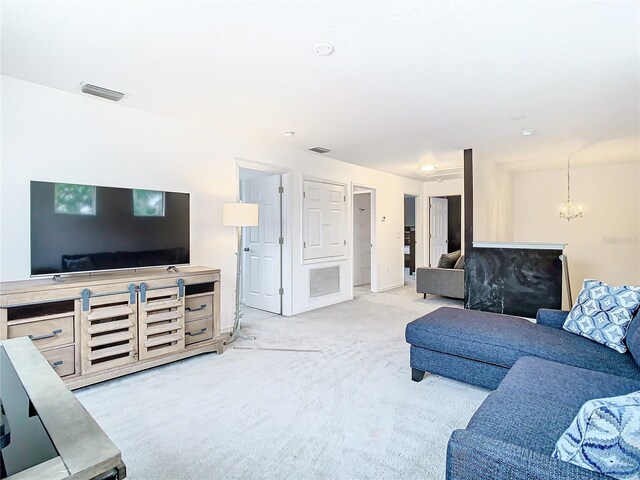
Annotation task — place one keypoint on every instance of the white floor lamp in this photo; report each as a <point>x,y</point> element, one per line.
<point>239,215</point>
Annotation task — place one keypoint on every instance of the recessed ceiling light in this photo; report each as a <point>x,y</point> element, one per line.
<point>528,132</point>
<point>288,133</point>
<point>323,49</point>
<point>427,167</point>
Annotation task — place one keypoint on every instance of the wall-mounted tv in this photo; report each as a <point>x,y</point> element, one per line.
<point>87,228</point>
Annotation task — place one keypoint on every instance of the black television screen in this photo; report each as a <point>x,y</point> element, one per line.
<point>82,228</point>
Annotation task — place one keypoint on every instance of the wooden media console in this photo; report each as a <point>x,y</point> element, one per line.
<point>92,328</point>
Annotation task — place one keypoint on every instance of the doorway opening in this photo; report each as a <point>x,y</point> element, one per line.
<point>445,226</point>
<point>364,258</point>
<point>262,249</point>
<point>410,239</point>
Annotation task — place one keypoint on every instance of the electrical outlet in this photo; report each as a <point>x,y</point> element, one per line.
<point>387,269</point>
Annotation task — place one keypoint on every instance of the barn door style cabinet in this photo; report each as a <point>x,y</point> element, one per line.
<point>92,328</point>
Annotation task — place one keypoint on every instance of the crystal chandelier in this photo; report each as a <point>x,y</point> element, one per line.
<point>570,210</point>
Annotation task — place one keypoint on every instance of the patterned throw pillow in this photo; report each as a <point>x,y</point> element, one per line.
<point>605,437</point>
<point>603,313</point>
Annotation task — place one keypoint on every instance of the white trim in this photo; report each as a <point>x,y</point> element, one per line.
<point>391,287</point>
<point>522,245</point>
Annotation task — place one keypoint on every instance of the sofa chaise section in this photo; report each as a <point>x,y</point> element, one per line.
<point>480,347</point>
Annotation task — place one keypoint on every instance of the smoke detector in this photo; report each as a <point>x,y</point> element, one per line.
<point>102,92</point>
<point>323,49</point>
<point>288,133</point>
<point>319,150</point>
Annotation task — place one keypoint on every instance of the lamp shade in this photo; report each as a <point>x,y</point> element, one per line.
<point>240,214</point>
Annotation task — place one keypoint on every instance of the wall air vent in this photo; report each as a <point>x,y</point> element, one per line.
<point>102,92</point>
<point>319,150</point>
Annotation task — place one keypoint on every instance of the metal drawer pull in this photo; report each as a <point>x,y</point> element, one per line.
<point>202,330</point>
<point>57,364</point>
<point>201,307</point>
<point>46,335</point>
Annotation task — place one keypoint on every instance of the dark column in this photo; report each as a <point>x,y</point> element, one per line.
<point>468,217</point>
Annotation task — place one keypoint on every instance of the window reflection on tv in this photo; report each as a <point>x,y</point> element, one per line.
<point>84,228</point>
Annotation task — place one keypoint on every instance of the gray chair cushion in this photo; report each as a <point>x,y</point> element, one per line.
<point>459,264</point>
<point>502,339</point>
<point>448,260</point>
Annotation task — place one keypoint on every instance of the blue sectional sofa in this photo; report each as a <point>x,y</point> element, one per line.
<point>541,375</point>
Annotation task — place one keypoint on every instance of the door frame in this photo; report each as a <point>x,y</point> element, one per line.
<point>427,218</point>
<point>420,230</point>
<point>285,261</point>
<point>374,249</point>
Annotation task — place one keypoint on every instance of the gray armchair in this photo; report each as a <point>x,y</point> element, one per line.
<point>448,282</point>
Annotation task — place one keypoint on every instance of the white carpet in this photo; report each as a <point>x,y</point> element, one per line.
<point>322,395</point>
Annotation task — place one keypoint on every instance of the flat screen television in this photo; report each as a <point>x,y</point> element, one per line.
<point>87,228</point>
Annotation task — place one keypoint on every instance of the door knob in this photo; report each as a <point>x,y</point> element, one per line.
<point>246,249</point>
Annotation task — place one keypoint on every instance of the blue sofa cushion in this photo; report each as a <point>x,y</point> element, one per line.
<point>535,403</point>
<point>551,318</point>
<point>633,338</point>
<point>562,383</point>
<point>502,339</point>
<point>602,313</point>
<point>605,437</point>
<point>522,419</point>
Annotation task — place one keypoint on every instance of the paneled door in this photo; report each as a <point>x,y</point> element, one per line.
<point>438,232</point>
<point>262,254</point>
<point>324,220</point>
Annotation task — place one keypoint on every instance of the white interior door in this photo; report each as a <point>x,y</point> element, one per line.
<point>438,232</point>
<point>323,220</point>
<point>362,239</point>
<point>262,249</point>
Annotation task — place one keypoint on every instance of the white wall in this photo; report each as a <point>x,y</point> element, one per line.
<point>605,243</point>
<point>53,135</point>
<point>492,214</point>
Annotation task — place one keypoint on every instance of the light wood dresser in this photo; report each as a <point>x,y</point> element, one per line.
<point>91,328</point>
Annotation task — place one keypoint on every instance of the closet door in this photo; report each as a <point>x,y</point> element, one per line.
<point>324,220</point>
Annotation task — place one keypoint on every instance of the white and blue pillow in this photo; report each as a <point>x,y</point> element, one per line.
<point>602,313</point>
<point>605,437</point>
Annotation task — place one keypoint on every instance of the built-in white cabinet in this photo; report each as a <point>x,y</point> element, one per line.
<point>324,223</point>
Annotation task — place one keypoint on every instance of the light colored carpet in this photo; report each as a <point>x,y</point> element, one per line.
<point>322,395</point>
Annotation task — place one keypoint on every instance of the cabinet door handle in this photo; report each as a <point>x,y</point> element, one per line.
<point>202,330</point>
<point>201,307</point>
<point>57,364</point>
<point>46,335</point>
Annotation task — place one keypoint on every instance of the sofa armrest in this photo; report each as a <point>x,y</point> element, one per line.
<point>551,318</point>
<point>473,456</point>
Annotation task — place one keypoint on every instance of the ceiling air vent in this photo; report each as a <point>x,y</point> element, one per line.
<point>319,150</point>
<point>102,92</point>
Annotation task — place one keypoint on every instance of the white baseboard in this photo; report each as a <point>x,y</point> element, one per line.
<point>391,287</point>
<point>316,305</point>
